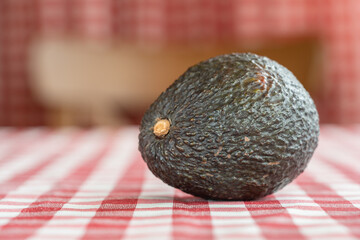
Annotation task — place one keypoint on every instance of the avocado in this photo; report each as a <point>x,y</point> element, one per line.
<point>234,127</point>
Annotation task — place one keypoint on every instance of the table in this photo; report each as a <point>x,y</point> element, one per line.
<point>73,183</point>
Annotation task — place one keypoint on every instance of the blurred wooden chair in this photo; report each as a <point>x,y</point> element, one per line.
<point>84,83</point>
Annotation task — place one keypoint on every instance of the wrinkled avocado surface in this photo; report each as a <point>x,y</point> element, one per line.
<point>241,127</point>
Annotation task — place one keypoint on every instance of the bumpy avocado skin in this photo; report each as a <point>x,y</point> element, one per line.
<point>242,127</point>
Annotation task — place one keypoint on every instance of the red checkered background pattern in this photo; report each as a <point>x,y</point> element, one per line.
<point>336,23</point>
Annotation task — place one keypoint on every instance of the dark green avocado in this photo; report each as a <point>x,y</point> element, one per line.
<point>237,126</point>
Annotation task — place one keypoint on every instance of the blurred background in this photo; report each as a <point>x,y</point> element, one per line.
<point>102,62</point>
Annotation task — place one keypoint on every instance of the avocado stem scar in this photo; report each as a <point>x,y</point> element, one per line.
<point>161,127</point>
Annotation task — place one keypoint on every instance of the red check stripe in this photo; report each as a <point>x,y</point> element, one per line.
<point>346,134</point>
<point>116,206</point>
<point>44,212</point>
<point>346,170</point>
<point>23,146</point>
<point>185,210</point>
<point>289,229</point>
<point>311,185</point>
<point>20,178</point>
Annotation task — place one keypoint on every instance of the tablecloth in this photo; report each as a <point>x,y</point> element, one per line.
<point>73,183</point>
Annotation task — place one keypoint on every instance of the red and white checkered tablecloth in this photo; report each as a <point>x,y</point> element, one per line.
<point>93,184</point>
